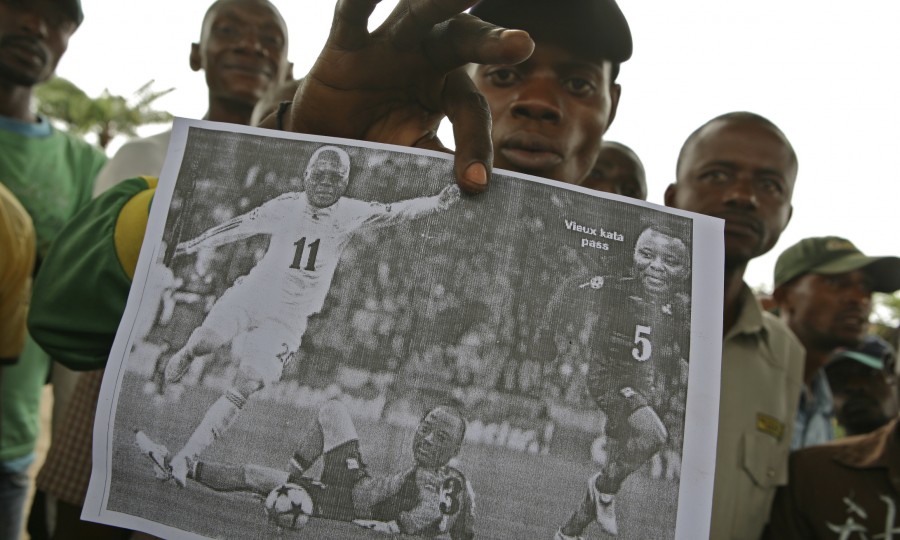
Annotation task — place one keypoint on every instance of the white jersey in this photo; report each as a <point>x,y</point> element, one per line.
<point>306,244</point>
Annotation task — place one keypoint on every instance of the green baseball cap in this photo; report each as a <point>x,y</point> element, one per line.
<point>873,352</point>
<point>835,255</point>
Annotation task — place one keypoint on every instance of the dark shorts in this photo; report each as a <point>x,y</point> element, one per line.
<point>618,405</point>
<point>343,469</point>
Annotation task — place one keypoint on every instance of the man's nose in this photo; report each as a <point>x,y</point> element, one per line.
<point>742,191</point>
<point>538,99</point>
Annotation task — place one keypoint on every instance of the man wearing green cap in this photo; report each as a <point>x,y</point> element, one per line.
<point>52,174</point>
<point>823,289</point>
<point>849,488</point>
<point>861,388</point>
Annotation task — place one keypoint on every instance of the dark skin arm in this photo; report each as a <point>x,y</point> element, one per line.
<point>394,85</point>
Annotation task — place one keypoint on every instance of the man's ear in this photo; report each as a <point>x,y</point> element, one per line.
<point>196,61</point>
<point>615,91</point>
<point>780,295</point>
<point>669,197</point>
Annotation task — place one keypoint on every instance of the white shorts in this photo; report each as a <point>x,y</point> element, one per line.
<point>264,335</point>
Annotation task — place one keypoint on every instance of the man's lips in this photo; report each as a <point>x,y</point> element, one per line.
<point>654,281</point>
<point>249,69</point>
<point>25,49</point>
<point>854,318</point>
<point>741,224</point>
<point>531,151</point>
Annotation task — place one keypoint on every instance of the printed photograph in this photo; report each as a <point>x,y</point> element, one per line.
<point>334,342</point>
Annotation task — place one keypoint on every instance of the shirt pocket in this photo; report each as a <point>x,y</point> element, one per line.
<point>764,467</point>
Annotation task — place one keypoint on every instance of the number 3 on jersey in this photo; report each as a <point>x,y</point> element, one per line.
<point>643,349</point>
<point>309,252</point>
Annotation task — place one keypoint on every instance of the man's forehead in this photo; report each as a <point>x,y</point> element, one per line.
<point>441,418</point>
<point>742,144</point>
<point>659,237</point>
<point>862,275</point>
<point>328,159</point>
<point>230,9</point>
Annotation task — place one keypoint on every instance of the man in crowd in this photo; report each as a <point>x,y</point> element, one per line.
<point>860,386</point>
<point>550,112</point>
<point>52,174</point>
<point>240,67</point>
<point>740,167</point>
<point>847,488</point>
<point>618,170</point>
<point>823,289</point>
<point>428,498</point>
<point>243,53</point>
<point>403,103</point>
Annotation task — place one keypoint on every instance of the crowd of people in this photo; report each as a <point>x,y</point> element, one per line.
<point>536,103</point>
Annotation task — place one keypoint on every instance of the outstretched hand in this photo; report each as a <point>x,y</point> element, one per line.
<point>394,85</point>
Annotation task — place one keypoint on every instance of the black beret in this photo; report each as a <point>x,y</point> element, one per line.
<point>594,28</point>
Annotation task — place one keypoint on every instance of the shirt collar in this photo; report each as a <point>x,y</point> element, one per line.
<point>879,449</point>
<point>820,392</point>
<point>750,318</point>
<point>41,128</point>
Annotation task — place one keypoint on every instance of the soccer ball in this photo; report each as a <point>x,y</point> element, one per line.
<point>289,506</point>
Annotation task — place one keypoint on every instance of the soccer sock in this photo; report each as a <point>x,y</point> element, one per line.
<point>581,518</point>
<point>215,422</point>
<point>219,476</point>
<point>177,365</point>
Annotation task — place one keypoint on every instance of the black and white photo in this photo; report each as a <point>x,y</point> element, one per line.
<point>326,339</point>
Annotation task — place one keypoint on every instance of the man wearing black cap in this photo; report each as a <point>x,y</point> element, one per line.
<point>849,488</point>
<point>823,289</point>
<point>51,173</point>
<point>550,112</point>
<point>861,387</point>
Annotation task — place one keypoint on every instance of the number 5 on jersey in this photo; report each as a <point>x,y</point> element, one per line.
<point>643,348</point>
<point>310,255</point>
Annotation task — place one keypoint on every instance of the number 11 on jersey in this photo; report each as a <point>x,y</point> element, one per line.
<point>310,255</point>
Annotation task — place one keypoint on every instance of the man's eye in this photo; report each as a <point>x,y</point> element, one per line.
<point>227,31</point>
<point>270,41</point>
<point>716,176</point>
<point>502,77</point>
<point>771,185</point>
<point>579,86</point>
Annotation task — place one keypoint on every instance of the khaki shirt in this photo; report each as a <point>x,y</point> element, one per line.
<point>762,375</point>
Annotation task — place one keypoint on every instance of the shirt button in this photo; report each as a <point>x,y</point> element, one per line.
<point>770,473</point>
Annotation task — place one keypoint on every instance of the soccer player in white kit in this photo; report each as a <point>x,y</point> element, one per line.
<point>264,314</point>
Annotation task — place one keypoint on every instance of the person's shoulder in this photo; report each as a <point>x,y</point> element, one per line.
<point>78,146</point>
<point>160,141</point>
<point>780,334</point>
<point>289,198</point>
<point>813,461</point>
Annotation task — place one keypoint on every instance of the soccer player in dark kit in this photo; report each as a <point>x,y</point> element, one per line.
<point>645,334</point>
